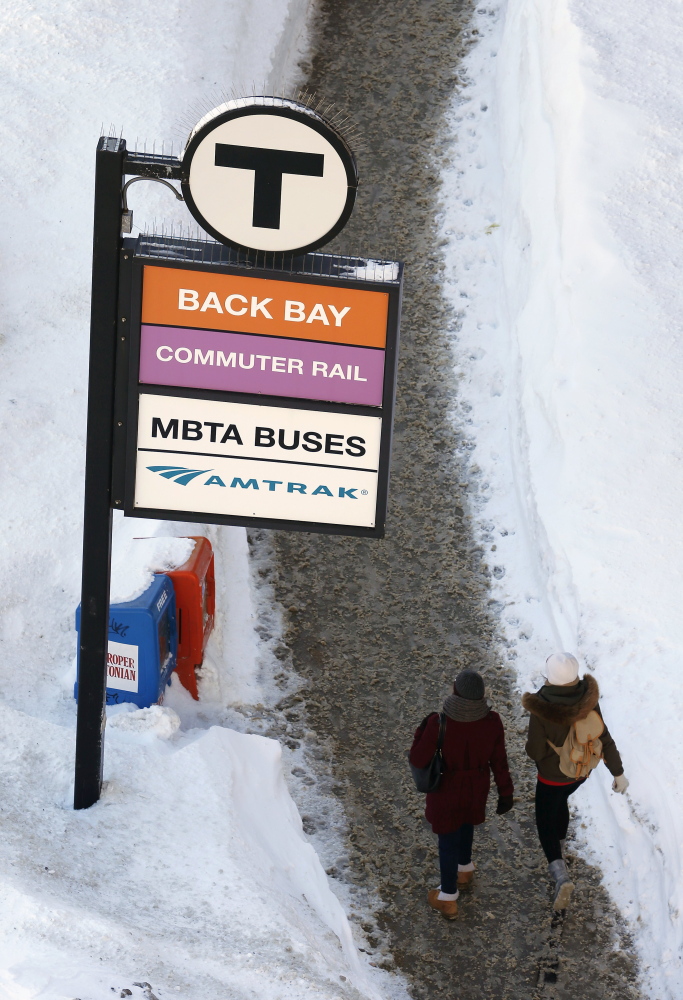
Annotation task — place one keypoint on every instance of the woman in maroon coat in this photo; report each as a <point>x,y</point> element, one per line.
<point>474,745</point>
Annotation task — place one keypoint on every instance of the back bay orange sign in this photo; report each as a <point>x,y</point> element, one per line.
<point>212,301</point>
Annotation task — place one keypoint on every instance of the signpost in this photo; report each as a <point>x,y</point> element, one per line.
<point>249,381</point>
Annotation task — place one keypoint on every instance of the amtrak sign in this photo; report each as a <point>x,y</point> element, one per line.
<point>268,175</point>
<point>218,457</point>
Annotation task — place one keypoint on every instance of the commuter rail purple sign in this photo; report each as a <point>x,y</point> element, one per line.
<point>242,362</point>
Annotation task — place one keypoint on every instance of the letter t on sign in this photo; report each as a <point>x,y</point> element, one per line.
<point>268,165</point>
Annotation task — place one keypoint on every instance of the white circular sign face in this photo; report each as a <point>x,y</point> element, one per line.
<point>266,177</point>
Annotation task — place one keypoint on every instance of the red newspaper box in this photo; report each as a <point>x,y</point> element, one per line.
<point>195,593</point>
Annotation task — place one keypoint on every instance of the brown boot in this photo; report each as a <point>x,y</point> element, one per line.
<point>448,908</point>
<point>465,879</point>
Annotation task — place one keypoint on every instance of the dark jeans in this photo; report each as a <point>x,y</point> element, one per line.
<point>552,815</point>
<point>455,849</point>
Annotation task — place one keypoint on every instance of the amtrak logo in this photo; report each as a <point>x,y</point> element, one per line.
<point>178,473</point>
<point>182,476</point>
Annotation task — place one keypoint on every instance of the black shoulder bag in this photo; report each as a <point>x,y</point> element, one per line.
<point>428,779</point>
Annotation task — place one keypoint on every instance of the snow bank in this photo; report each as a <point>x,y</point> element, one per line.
<point>565,235</point>
<point>192,873</point>
<point>65,67</point>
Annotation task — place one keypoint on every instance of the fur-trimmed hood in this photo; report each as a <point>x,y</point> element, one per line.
<point>563,715</point>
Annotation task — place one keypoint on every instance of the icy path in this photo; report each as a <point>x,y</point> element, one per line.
<point>380,629</point>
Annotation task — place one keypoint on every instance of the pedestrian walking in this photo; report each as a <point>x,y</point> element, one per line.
<point>567,739</point>
<point>473,745</point>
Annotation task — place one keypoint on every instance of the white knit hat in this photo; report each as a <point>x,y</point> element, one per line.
<point>561,668</point>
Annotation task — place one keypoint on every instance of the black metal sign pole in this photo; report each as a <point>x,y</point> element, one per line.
<point>97,519</point>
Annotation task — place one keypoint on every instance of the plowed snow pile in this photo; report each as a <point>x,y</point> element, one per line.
<point>564,224</point>
<point>192,876</point>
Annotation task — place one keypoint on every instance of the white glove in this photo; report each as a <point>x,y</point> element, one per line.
<point>620,784</point>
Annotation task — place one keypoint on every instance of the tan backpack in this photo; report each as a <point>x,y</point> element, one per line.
<point>582,750</point>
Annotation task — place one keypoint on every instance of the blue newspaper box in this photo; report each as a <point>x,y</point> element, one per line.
<point>143,645</point>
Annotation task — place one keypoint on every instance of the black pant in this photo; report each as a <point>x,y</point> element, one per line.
<point>552,815</point>
<point>455,848</point>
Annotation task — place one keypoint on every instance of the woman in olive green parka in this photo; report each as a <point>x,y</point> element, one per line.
<point>553,709</point>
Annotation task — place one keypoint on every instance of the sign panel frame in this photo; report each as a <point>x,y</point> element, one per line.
<point>178,254</point>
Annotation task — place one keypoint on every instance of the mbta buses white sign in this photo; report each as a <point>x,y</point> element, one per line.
<point>244,460</point>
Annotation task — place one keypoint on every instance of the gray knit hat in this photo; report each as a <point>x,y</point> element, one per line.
<point>469,684</point>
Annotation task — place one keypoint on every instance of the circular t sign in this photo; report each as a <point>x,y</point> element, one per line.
<point>264,174</point>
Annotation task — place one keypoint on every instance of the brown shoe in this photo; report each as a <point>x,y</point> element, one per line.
<point>448,908</point>
<point>465,879</point>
